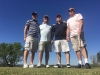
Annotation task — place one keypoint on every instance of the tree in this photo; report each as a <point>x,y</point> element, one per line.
<point>98,57</point>
<point>93,59</point>
<point>11,54</point>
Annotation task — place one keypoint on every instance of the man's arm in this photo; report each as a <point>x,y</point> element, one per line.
<point>52,34</point>
<point>25,29</point>
<point>67,33</point>
<point>25,32</point>
<point>81,24</point>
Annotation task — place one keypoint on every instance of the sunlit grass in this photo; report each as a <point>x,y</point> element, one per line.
<point>48,71</point>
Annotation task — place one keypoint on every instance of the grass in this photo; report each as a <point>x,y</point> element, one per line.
<point>48,71</point>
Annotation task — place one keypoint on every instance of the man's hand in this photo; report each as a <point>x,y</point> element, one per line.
<point>68,39</point>
<point>79,32</point>
<point>24,39</point>
<point>52,42</point>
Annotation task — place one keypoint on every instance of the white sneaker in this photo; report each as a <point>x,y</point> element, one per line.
<point>38,66</point>
<point>47,66</point>
<point>31,66</point>
<point>25,66</point>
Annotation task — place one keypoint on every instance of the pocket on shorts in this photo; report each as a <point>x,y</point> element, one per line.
<point>27,46</point>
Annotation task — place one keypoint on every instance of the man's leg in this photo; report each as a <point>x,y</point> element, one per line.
<point>84,51</point>
<point>46,57</point>
<point>40,57</point>
<point>67,57</point>
<point>32,54</point>
<point>48,48</point>
<point>79,56</point>
<point>25,56</point>
<point>57,46</point>
<point>85,55</point>
<point>58,57</point>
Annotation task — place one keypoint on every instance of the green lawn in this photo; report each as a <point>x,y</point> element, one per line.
<point>48,71</point>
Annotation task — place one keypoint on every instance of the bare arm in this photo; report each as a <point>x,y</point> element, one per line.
<point>81,24</point>
<point>25,32</point>
<point>67,33</point>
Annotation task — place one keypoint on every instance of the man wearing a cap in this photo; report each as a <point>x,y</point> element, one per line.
<point>31,39</point>
<point>45,41</point>
<point>60,42</point>
<point>75,29</point>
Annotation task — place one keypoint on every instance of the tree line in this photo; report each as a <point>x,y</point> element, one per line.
<point>12,53</point>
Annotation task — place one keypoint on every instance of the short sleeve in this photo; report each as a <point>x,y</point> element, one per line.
<point>80,16</point>
<point>28,23</point>
<point>67,22</point>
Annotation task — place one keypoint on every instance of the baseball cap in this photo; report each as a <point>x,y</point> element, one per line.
<point>46,16</point>
<point>34,13</point>
<point>58,16</point>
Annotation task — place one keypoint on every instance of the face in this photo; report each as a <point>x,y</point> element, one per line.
<point>71,12</point>
<point>34,17</point>
<point>58,19</point>
<point>45,20</point>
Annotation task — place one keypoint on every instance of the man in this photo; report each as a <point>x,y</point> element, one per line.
<point>31,39</point>
<point>75,29</point>
<point>60,42</point>
<point>45,41</point>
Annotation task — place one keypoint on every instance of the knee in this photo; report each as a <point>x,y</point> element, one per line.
<point>67,52</point>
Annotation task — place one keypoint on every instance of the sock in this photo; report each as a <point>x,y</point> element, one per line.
<point>80,62</point>
<point>67,63</point>
<point>59,63</point>
<point>86,60</point>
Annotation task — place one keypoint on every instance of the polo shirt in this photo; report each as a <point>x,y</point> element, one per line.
<point>45,32</point>
<point>59,31</point>
<point>33,28</point>
<point>73,23</point>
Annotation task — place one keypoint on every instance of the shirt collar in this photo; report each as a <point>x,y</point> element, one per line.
<point>60,22</point>
<point>35,20</point>
<point>44,23</point>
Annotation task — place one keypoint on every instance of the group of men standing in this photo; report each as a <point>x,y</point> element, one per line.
<point>63,32</point>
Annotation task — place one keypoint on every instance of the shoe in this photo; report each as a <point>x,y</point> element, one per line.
<point>47,66</point>
<point>58,66</point>
<point>25,66</point>
<point>31,66</point>
<point>87,65</point>
<point>79,66</point>
<point>39,66</point>
<point>68,66</point>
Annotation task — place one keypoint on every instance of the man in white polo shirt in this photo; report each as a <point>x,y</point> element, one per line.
<point>75,29</point>
<point>45,41</point>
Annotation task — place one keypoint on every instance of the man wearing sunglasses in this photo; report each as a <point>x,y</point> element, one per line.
<point>75,29</point>
<point>45,41</point>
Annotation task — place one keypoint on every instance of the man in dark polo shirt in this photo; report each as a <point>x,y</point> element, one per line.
<point>60,43</point>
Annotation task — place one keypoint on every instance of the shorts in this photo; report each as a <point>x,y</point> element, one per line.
<point>78,42</point>
<point>61,45</point>
<point>31,44</point>
<point>47,46</point>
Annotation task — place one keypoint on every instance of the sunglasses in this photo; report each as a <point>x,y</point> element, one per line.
<point>70,10</point>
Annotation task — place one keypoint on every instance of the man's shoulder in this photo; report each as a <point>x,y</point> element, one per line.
<point>78,14</point>
<point>29,20</point>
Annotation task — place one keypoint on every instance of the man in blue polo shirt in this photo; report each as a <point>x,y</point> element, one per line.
<point>45,41</point>
<point>60,42</point>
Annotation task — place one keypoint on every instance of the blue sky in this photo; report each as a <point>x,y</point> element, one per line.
<point>15,13</point>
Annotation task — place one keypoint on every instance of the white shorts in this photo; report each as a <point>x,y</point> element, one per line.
<point>61,45</point>
<point>31,44</point>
